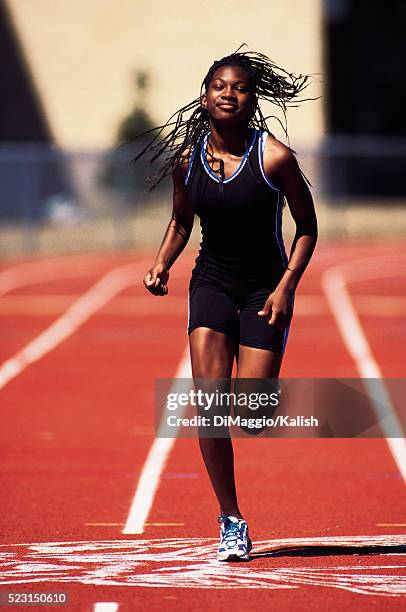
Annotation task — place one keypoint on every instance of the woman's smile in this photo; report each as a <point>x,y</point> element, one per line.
<point>227,106</point>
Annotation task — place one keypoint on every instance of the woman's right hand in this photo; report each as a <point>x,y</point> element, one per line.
<point>156,280</point>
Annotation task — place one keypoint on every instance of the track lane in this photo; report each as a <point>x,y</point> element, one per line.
<point>183,489</point>
<point>314,487</point>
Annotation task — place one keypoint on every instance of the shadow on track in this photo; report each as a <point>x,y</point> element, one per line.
<point>324,551</point>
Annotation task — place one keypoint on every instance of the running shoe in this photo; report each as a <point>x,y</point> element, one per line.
<point>235,543</point>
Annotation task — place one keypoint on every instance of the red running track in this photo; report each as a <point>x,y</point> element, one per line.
<point>327,517</point>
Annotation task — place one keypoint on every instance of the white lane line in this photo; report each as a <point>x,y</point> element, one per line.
<point>32,272</point>
<point>334,286</point>
<point>80,311</point>
<point>305,305</point>
<point>106,606</point>
<point>190,563</point>
<point>157,458</point>
<point>96,297</point>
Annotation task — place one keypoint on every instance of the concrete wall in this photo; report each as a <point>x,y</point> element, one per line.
<point>82,55</point>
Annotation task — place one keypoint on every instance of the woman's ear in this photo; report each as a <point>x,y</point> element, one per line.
<point>204,101</point>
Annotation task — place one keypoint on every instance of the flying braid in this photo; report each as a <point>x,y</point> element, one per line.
<point>269,82</point>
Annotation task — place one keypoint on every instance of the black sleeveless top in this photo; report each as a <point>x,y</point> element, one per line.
<point>240,216</point>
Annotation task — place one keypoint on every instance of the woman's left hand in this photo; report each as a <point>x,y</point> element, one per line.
<point>278,308</point>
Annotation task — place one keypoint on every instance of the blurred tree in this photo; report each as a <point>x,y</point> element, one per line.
<point>138,119</point>
<point>118,172</point>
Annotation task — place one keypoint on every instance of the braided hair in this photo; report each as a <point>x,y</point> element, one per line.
<point>269,82</point>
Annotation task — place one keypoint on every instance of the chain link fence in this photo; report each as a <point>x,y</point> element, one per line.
<point>56,201</point>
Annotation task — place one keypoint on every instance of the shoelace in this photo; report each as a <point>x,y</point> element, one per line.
<point>232,530</point>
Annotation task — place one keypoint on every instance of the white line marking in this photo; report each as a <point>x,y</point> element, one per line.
<point>32,272</point>
<point>191,563</point>
<point>334,286</point>
<point>306,304</point>
<point>106,606</point>
<point>80,311</point>
<point>156,460</point>
<point>96,297</point>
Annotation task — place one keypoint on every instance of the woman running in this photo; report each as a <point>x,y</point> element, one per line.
<point>228,169</point>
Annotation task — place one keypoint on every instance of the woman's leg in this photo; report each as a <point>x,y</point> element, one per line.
<point>258,363</point>
<point>261,365</point>
<point>212,355</point>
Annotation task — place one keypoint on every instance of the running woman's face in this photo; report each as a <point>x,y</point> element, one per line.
<point>229,97</point>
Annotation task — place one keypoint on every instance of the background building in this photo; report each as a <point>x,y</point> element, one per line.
<point>82,56</point>
<point>81,74</point>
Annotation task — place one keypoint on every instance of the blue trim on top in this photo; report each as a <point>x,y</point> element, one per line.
<point>278,232</point>
<point>240,167</point>
<point>261,160</point>
<point>278,220</point>
<point>189,169</point>
<point>286,334</point>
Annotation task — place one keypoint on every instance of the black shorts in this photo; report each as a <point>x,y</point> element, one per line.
<point>227,298</point>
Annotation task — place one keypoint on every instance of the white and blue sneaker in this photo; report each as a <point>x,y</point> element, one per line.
<point>235,543</point>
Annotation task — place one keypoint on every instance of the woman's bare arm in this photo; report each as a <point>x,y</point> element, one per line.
<point>176,236</point>
<point>281,166</point>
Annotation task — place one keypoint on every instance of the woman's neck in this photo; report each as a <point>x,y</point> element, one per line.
<point>231,141</point>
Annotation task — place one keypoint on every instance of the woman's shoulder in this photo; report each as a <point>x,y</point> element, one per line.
<point>183,163</point>
<point>277,154</point>
<point>276,147</point>
<point>183,159</point>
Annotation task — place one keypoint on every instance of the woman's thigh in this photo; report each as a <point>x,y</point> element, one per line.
<point>212,356</point>
<point>256,333</point>
<point>211,353</point>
